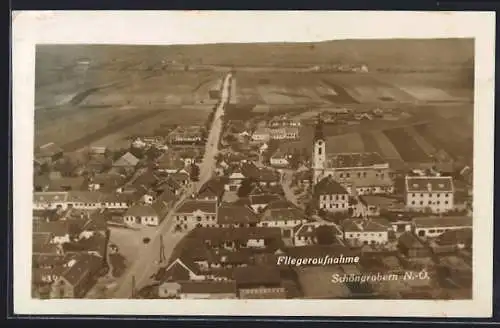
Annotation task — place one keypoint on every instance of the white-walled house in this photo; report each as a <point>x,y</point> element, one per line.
<point>434,193</point>
<point>284,218</point>
<point>367,232</point>
<point>331,196</point>
<point>196,213</point>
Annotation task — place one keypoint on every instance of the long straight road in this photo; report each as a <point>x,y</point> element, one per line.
<point>147,261</point>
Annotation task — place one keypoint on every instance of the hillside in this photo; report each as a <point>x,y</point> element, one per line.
<point>374,53</point>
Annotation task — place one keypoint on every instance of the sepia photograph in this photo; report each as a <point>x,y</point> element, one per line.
<point>222,165</point>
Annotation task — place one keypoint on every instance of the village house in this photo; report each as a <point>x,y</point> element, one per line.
<point>106,182</point>
<point>432,193</point>
<point>179,270</point>
<point>368,232</point>
<point>236,216</point>
<point>188,156</point>
<point>196,213</point>
<point>235,179</point>
<point>411,246</point>
<point>280,159</point>
<point>146,214</point>
<point>306,234</point>
<point>281,122</point>
<point>452,241</point>
<point>260,201</point>
<point>287,133</point>
<point>436,226</point>
<point>54,181</point>
<point>284,218</point>
<point>258,279</point>
<point>186,136</point>
<point>238,238</point>
<point>169,163</point>
<point>213,189</point>
<point>330,196</point>
<point>79,277</point>
<point>127,163</point>
<point>261,135</point>
<point>87,200</point>
<point>303,178</point>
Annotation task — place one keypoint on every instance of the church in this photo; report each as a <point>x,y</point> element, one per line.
<point>359,173</point>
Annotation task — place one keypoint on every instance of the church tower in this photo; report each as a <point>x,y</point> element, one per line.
<point>319,152</point>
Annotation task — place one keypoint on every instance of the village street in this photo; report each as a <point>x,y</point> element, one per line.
<point>147,262</point>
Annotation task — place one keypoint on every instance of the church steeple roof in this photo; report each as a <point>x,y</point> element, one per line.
<point>318,131</point>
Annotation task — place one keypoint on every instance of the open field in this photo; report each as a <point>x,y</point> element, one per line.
<point>310,88</point>
<point>170,116</point>
<point>406,146</point>
<point>432,86</point>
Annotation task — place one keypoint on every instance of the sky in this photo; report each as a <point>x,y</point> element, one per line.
<point>195,27</point>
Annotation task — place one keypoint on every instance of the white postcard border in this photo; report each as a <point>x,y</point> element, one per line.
<point>30,28</point>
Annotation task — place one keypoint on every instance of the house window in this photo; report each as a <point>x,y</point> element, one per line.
<point>429,202</point>
<point>421,195</point>
<point>446,202</point>
<point>421,202</point>
<point>320,151</point>
<point>413,202</point>
<point>359,174</point>
<point>421,233</point>
<point>348,175</point>
<point>198,218</point>
<point>341,175</point>
<point>432,231</point>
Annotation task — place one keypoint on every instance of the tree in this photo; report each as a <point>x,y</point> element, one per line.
<point>324,235</point>
<point>194,173</point>
<point>246,187</point>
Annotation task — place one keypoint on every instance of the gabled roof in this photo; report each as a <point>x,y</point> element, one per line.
<point>213,187</point>
<point>263,199</point>
<point>409,240</point>
<point>308,229</point>
<point>283,214</point>
<point>369,225</point>
<point>191,205</point>
<point>454,237</point>
<point>141,210</point>
<point>127,160</point>
<point>429,184</point>
<point>234,214</point>
<point>85,265</point>
<point>328,186</point>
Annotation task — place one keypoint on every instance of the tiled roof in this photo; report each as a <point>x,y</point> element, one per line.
<point>86,196</point>
<point>328,186</point>
<point>309,229</point>
<point>141,210</point>
<point>190,206</point>
<point>126,160</point>
<point>429,184</point>
<point>370,225</point>
<point>257,275</point>
<point>233,214</point>
<point>409,240</point>
<point>85,265</point>
<point>263,199</point>
<point>454,237</point>
<point>442,222</point>
<point>283,214</point>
